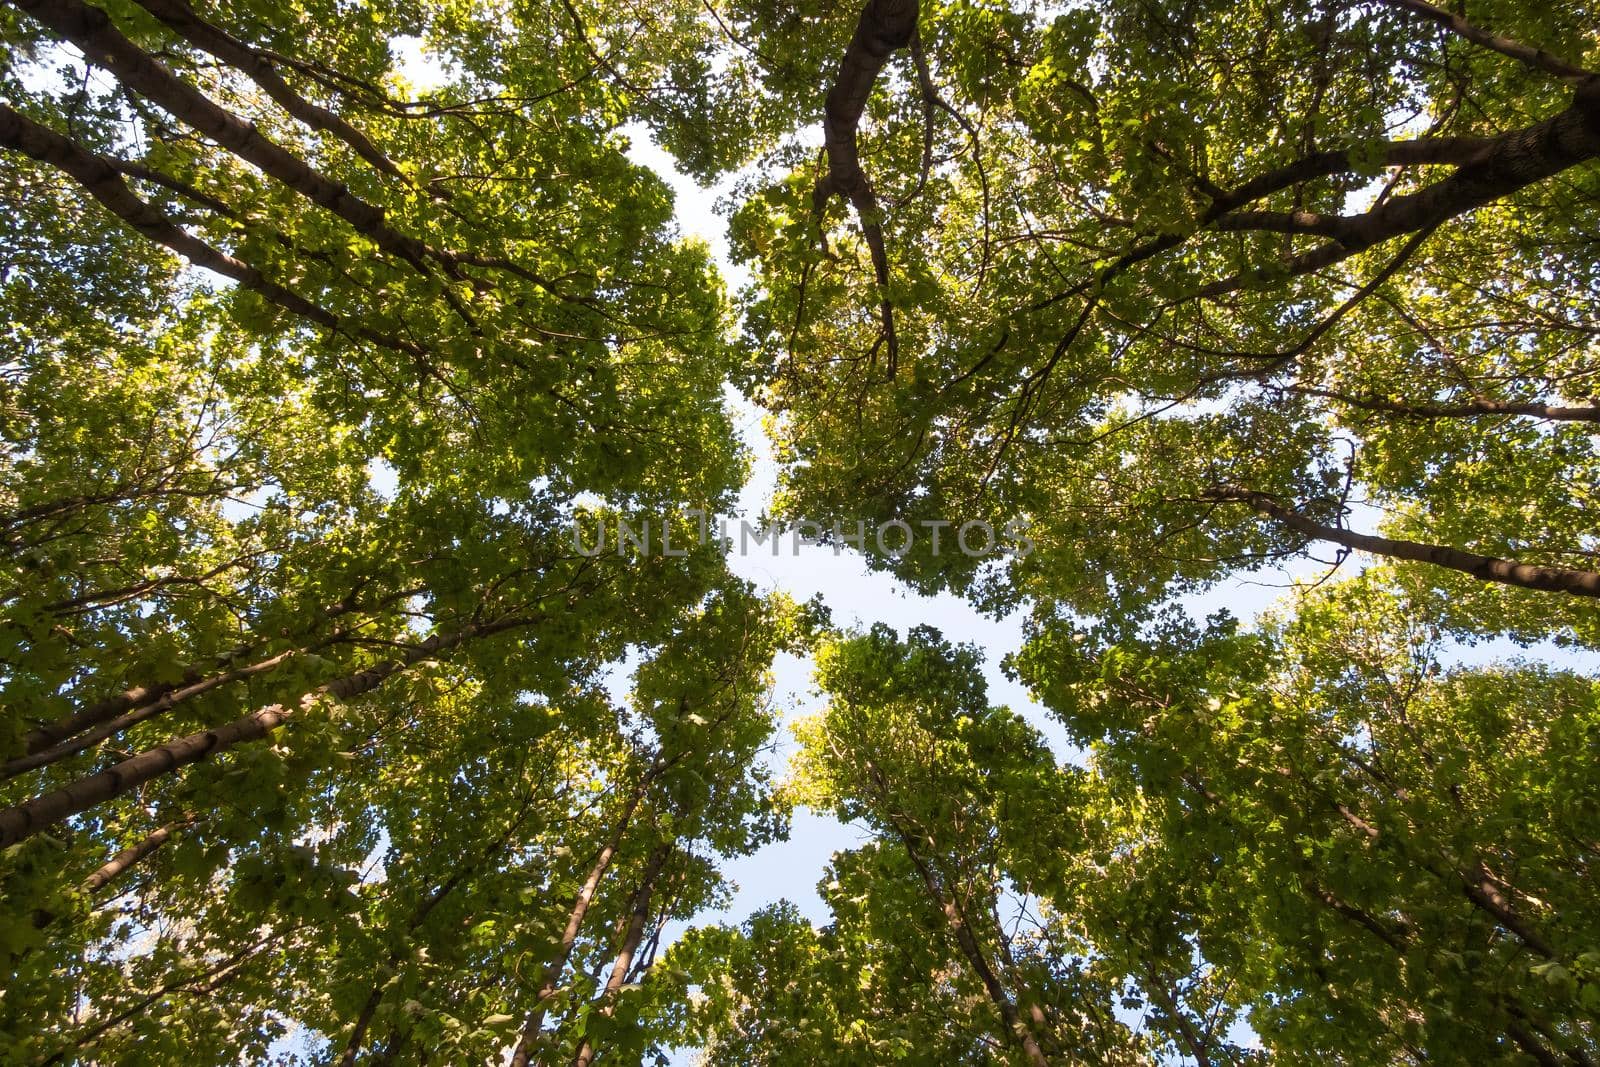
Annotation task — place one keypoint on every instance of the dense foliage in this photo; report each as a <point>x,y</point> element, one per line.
<point>323,738</point>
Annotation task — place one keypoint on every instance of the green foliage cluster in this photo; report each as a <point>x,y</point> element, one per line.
<point>323,740</point>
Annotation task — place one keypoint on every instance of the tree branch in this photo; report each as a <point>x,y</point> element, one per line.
<point>885,27</point>
<point>1537,58</point>
<point>1484,568</point>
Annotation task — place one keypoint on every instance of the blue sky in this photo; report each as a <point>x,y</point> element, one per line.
<point>857,597</point>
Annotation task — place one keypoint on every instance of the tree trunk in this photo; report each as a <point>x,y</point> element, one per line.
<point>885,26</point>
<point>111,727</point>
<point>551,978</point>
<point>26,819</point>
<point>358,1033</point>
<point>91,30</point>
<point>119,864</point>
<point>1169,1004</point>
<point>43,736</point>
<point>637,920</point>
<point>183,20</point>
<point>101,180</point>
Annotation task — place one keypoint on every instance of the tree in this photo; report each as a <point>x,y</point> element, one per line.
<point>315,745</point>
<point>929,913</point>
<point>302,654</point>
<point>1386,858</point>
<point>1189,288</point>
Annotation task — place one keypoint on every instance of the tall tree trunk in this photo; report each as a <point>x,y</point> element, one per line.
<point>638,918</point>
<point>194,681</point>
<point>129,857</point>
<point>358,1032</point>
<point>550,981</point>
<point>885,27</point>
<point>110,727</point>
<point>1460,410</point>
<point>47,734</point>
<point>1168,1003</point>
<point>956,923</point>
<point>111,870</point>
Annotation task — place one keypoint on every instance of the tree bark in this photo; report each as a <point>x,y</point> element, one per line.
<point>956,923</point>
<point>885,27</point>
<point>101,711</point>
<point>24,820</point>
<point>550,981</point>
<point>637,920</point>
<point>77,742</point>
<point>1537,58</point>
<point>1169,1004</point>
<point>91,30</point>
<point>119,864</point>
<point>101,180</point>
<point>358,1033</point>
<point>968,943</point>
<point>183,20</point>
<point>1460,410</point>
<point>1499,167</point>
<point>111,870</point>
<point>1484,568</point>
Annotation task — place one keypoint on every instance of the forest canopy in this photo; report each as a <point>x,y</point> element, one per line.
<point>325,737</point>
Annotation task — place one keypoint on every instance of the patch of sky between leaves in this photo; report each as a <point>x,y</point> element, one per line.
<point>856,595</point>
<point>859,597</point>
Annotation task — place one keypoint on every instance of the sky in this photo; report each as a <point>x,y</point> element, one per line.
<point>857,597</point>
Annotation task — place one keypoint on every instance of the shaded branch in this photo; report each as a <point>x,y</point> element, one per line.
<point>885,27</point>
<point>101,179</point>
<point>1537,58</point>
<point>182,19</point>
